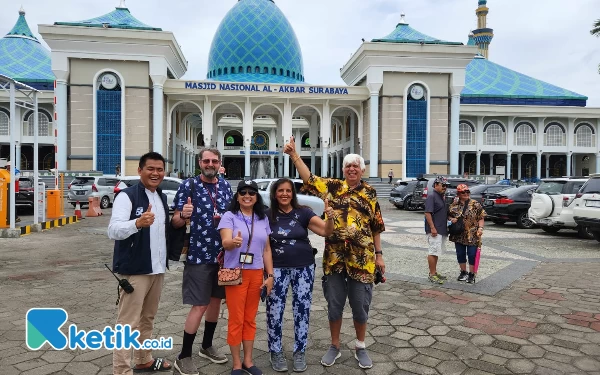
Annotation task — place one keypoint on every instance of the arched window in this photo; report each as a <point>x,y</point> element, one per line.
<point>225,70</point>
<point>219,71</point>
<point>274,71</point>
<point>257,70</point>
<point>524,134</point>
<point>555,136</point>
<point>280,72</point>
<point>4,124</point>
<point>584,136</point>
<point>248,69</point>
<point>494,134</point>
<point>265,70</point>
<point>233,138</point>
<point>288,73</point>
<point>233,70</point>
<point>466,134</point>
<point>240,70</point>
<point>43,125</point>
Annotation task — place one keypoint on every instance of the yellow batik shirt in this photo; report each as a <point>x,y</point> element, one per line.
<point>357,219</point>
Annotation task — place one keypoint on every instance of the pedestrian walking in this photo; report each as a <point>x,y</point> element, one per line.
<point>212,195</point>
<point>436,227</point>
<point>293,264</point>
<point>467,242</point>
<point>352,252</point>
<point>245,235</point>
<point>138,225</point>
<point>391,176</point>
<point>118,170</point>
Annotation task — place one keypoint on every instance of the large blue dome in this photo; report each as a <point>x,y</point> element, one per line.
<point>255,43</point>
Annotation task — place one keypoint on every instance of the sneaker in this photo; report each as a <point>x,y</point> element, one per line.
<point>363,359</point>
<point>299,362</point>
<point>278,362</point>
<point>442,277</point>
<point>212,354</point>
<point>185,366</point>
<point>329,358</point>
<point>435,279</point>
<point>463,276</point>
<point>471,278</point>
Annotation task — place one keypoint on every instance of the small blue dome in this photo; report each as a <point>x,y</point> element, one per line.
<point>255,43</point>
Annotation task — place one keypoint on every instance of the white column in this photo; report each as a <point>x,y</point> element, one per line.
<point>454,131</point>
<point>287,132</point>
<point>173,140</point>
<point>352,132</point>
<point>331,165</point>
<point>539,164</point>
<point>182,158</point>
<point>374,128</point>
<point>36,151</point>
<point>462,162</point>
<point>61,121</point>
<point>569,163</point>
<point>325,137</point>
<point>547,165</point>
<point>478,163</point>
<point>313,135</point>
<point>272,165</point>
<point>12,137</point>
<point>338,169</point>
<point>248,130</point>
<point>18,150</point>
<point>157,112</point>
<point>207,126</point>
<point>492,164</point>
<point>519,173</point>
<point>508,164</point>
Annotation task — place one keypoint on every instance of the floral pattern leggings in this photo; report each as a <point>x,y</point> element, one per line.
<point>302,280</point>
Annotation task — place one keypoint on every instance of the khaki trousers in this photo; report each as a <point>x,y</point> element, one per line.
<point>138,310</point>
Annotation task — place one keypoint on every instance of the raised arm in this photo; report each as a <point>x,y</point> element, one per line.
<point>323,228</point>
<point>303,170</point>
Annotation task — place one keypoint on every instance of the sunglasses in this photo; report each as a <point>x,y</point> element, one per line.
<point>465,192</point>
<point>208,161</point>
<point>247,192</point>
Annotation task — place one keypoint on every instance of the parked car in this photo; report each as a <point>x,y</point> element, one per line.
<point>401,195</point>
<point>552,205</point>
<point>454,182</point>
<point>24,199</point>
<point>169,186</point>
<point>426,187</point>
<point>481,191</point>
<point>510,205</point>
<point>587,206</point>
<point>315,203</point>
<point>84,187</point>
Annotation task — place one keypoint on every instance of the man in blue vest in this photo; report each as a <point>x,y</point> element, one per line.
<point>139,226</point>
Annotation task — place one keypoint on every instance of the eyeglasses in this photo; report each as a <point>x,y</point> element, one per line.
<point>247,192</point>
<point>208,161</point>
<point>465,192</point>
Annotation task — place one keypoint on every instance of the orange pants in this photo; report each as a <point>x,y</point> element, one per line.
<point>242,302</point>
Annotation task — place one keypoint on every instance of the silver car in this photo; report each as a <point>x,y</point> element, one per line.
<point>169,186</point>
<point>264,189</point>
<point>84,187</point>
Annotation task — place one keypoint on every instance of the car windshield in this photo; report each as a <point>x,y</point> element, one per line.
<point>550,187</point>
<point>591,186</point>
<point>83,181</point>
<point>25,183</point>
<point>131,182</point>
<point>263,186</point>
<point>477,189</point>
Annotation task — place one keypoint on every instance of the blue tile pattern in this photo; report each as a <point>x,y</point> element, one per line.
<point>406,34</point>
<point>108,135</point>
<point>120,18</point>
<point>256,78</point>
<point>23,58</point>
<point>486,79</point>
<point>255,33</point>
<point>416,137</point>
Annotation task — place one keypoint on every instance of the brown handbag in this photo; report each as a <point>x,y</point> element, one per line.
<point>232,276</point>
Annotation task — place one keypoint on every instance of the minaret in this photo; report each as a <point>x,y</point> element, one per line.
<point>483,35</point>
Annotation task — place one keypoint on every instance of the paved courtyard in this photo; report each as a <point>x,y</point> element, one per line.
<point>534,310</point>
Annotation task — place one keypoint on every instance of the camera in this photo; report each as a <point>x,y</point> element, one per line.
<point>379,278</point>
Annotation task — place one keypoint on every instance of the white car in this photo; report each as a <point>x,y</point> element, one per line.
<point>169,186</point>
<point>587,211</point>
<point>264,189</point>
<point>552,205</point>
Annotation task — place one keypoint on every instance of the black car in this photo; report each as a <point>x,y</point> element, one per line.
<point>510,205</point>
<point>401,195</point>
<point>480,192</point>
<point>453,184</point>
<point>25,197</point>
<point>425,187</point>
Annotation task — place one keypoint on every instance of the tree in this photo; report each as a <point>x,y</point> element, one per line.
<point>595,31</point>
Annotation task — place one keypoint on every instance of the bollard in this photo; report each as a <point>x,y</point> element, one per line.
<point>91,212</point>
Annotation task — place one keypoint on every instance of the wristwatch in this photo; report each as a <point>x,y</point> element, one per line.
<point>270,275</point>
<point>378,252</point>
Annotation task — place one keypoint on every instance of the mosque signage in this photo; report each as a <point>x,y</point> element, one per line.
<point>253,87</point>
<point>260,152</point>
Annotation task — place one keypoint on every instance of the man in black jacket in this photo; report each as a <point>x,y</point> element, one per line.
<point>138,225</point>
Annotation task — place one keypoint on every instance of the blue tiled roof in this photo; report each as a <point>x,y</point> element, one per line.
<point>486,79</point>
<point>120,18</point>
<point>23,58</point>
<point>256,34</point>
<point>406,34</point>
<point>257,78</point>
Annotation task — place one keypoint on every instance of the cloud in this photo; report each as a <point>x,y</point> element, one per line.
<point>546,39</point>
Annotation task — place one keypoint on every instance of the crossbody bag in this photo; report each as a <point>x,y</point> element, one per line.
<point>232,276</point>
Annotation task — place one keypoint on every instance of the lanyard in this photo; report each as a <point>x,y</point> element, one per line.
<point>250,230</point>
<point>215,198</point>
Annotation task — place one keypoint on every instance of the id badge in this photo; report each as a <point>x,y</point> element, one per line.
<point>247,258</point>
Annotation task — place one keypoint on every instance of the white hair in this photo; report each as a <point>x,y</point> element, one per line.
<point>354,159</point>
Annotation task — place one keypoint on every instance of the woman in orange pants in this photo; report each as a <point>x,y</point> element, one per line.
<point>245,234</point>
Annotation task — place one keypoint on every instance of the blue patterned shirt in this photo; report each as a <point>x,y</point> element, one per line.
<point>205,240</point>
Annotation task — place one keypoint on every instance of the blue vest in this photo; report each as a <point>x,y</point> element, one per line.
<point>132,256</point>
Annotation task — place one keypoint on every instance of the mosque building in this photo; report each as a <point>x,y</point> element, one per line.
<point>111,86</point>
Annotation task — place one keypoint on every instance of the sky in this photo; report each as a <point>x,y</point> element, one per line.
<point>546,39</point>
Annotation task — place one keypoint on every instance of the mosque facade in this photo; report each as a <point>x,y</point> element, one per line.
<point>111,89</point>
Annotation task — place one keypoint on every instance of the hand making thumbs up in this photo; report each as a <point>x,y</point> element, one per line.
<point>237,240</point>
<point>328,210</point>
<point>290,147</point>
<point>146,219</point>
<point>188,208</point>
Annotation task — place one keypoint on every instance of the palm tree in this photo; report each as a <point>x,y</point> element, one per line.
<point>596,29</point>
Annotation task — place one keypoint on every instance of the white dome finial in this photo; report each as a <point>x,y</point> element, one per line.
<point>122,5</point>
<point>22,11</point>
<point>402,20</point>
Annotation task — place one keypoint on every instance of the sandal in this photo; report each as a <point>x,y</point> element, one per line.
<point>157,365</point>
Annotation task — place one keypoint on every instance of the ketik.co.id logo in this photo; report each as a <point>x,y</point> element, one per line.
<point>44,324</point>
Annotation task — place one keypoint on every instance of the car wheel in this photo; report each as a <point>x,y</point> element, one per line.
<point>550,229</point>
<point>104,202</point>
<point>523,221</point>
<point>499,222</point>
<point>408,204</point>
<point>585,233</point>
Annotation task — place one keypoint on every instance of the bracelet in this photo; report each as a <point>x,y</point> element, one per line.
<point>295,160</point>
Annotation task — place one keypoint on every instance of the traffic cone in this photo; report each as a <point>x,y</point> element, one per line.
<point>78,211</point>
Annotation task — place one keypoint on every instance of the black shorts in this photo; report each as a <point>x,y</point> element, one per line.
<point>200,284</point>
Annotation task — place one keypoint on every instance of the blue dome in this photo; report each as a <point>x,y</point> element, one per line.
<point>255,43</point>
<point>24,59</point>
